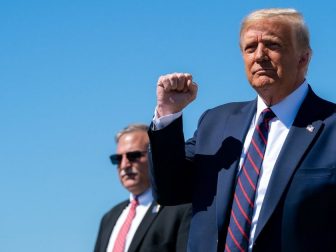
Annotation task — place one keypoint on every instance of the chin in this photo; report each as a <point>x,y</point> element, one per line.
<point>262,83</point>
<point>129,183</point>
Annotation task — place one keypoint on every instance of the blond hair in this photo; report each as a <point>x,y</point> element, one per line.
<point>290,16</point>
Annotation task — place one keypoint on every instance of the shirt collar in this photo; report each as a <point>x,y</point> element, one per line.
<point>287,109</point>
<point>144,198</point>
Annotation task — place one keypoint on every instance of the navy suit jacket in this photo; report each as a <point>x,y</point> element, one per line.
<point>163,229</point>
<point>299,208</point>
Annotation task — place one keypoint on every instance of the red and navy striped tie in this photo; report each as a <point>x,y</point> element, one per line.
<point>237,238</point>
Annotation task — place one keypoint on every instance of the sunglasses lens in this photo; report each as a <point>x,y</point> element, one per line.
<point>115,159</point>
<point>133,156</point>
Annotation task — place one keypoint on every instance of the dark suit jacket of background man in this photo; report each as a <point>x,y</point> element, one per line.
<point>163,229</point>
<point>299,208</point>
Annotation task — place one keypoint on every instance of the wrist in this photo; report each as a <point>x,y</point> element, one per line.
<point>162,110</point>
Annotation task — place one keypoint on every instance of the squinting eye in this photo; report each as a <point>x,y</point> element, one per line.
<point>249,49</point>
<point>273,46</point>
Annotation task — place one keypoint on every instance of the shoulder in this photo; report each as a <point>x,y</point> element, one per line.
<point>178,210</point>
<point>313,98</point>
<point>117,209</point>
<point>181,207</point>
<point>232,106</point>
<point>317,108</point>
<point>225,110</point>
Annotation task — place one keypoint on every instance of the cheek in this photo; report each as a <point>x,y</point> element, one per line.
<point>248,62</point>
<point>119,174</point>
<point>277,60</point>
<point>142,168</point>
<point>248,71</point>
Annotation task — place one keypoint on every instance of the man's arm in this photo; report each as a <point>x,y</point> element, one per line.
<point>170,170</point>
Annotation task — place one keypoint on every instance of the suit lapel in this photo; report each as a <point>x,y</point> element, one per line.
<point>149,217</point>
<point>304,130</point>
<point>111,223</point>
<point>226,177</point>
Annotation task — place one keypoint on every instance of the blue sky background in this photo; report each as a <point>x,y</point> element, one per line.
<point>72,73</point>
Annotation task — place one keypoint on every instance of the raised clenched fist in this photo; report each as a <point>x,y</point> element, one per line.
<point>174,92</point>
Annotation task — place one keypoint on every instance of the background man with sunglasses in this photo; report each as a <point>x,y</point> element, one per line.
<point>154,227</point>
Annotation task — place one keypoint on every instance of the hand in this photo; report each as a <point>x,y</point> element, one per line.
<point>174,92</point>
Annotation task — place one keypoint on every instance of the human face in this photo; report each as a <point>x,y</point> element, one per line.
<point>274,64</point>
<point>133,174</point>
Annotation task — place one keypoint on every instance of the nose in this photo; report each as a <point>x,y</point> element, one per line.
<point>124,163</point>
<point>261,53</point>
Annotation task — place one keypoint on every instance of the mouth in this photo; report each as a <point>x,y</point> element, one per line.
<point>264,71</point>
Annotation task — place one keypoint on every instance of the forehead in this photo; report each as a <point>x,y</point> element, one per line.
<point>267,29</point>
<point>135,140</point>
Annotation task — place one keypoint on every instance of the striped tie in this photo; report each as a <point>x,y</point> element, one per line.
<point>119,245</point>
<point>237,238</point>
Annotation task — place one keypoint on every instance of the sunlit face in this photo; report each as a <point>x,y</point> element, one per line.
<point>274,63</point>
<point>134,174</point>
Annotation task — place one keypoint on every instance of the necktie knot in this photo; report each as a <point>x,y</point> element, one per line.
<point>266,115</point>
<point>134,203</point>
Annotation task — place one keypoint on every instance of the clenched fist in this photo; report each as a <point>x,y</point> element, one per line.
<point>174,92</point>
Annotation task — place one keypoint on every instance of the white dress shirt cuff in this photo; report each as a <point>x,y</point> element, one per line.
<point>164,121</point>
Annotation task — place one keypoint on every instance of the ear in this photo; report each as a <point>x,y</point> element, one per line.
<point>304,59</point>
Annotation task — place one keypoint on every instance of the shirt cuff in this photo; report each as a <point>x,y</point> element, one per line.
<point>164,121</point>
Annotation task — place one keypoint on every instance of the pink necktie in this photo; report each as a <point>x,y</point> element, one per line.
<point>119,245</point>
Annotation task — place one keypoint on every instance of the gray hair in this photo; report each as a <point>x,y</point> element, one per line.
<point>291,16</point>
<point>131,128</point>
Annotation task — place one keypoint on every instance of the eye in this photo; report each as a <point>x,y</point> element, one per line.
<point>133,155</point>
<point>273,46</point>
<point>250,48</point>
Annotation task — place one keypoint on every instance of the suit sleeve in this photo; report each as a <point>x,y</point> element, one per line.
<point>171,171</point>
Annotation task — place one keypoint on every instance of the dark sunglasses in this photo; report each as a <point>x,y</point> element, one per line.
<point>132,156</point>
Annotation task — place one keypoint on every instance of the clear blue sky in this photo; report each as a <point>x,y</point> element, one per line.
<point>74,72</point>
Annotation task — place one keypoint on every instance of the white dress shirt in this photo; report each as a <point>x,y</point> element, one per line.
<point>285,112</point>
<point>145,201</point>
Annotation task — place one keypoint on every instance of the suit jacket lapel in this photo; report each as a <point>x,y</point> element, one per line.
<point>111,223</point>
<point>302,133</point>
<point>227,177</point>
<point>149,217</point>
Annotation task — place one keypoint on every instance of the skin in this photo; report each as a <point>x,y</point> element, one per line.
<point>275,66</point>
<point>174,92</point>
<point>134,176</point>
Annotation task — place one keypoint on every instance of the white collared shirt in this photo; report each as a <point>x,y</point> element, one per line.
<point>285,112</point>
<point>145,201</point>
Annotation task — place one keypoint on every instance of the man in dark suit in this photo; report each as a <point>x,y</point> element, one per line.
<point>291,204</point>
<point>151,227</point>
